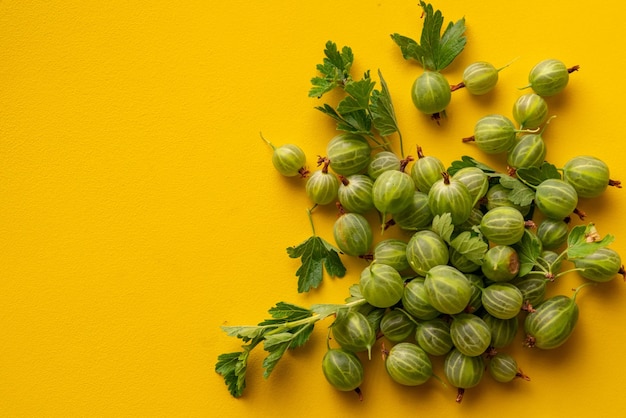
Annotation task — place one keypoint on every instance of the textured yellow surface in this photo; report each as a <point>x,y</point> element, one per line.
<point>139,210</point>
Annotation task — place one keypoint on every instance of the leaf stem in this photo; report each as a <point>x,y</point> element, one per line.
<point>309,212</point>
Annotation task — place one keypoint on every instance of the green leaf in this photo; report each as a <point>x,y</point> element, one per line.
<point>315,254</point>
<point>452,43</point>
<point>334,70</point>
<point>434,51</point>
<point>232,366</point>
<point>442,226</point>
<point>381,108</point>
<point>409,48</point>
<point>467,161</point>
<point>520,194</point>
<point>275,345</point>
<point>355,293</point>
<point>585,240</point>
<point>536,175</point>
<point>356,122</point>
<point>326,309</point>
<point>528,250</point>
<point>245,332</point>
<point>360,91</point>
<point>473,247</point>
<point>286,312</point>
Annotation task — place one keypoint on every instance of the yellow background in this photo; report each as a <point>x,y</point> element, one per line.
<point>139,210</point>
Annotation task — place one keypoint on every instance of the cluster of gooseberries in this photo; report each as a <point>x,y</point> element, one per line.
<point>472,268</point>
<point>425,295</point>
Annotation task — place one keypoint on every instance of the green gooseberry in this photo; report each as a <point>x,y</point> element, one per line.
<point>431,92</point>
<point>348,153</point>
<point>355,193</point>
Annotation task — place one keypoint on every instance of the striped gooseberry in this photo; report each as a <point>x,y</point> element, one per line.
<point>355,193</point>
<point>425,250</point>
<point>600,266</point>
<point>322,186</point>
<point>588,175</point>
<point>448,290</point>
<point>477,283</point>
<point>448,195</point>
<point>396,325</point>
<point>288,159</point>
<point>343,369</point>
<point>348,153</point>
<point>426,170</point>
<point>381,285</point>
<point>552,233</point>
<point>383,161</point>
<point>462,371</point>
<point>431,93</point>
<point>392,191</point>
<point>533,289</point>
<point>503,225</point>
<point>549,77</point>
<point>433,336</point>
<point>416,215</point>
<point>501,263</point>
<point>493,134</point>
<point>353,234</point>
<point>392,252</point>
<point>502,300</point>
<point>470,334</point>
<point>407,364</point>
<point>551,323</point>
<point>353,332</point>
<point>503,331</point>
<point>415,300</point>
<point>480,77</point>
<point>529,151</point>
<point>555,198</point>
<point>503,368</point>
<point>530,111</point>
<point>476,181</point>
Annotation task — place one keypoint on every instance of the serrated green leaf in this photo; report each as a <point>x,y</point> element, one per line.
<point>360,91</point>
<point>276,350</point>
<point>409,48</point>
<point>321,86</point>
<point>355,293</point>
<point>301,335</point>
<point>334,70</point>
<point>326,309</point>
<point>314,254</point>
<point>520,194</point>
<point>452,43</point>
<point>288,312</point>
<point>528,250</point>
<point>232,367</point>
<point>536,175</point>
<point>584,240</point>
<point>382,110</point>
<point>245,332</point>
<point>442,226</point>
<point>434,51</point>
<point>467,161</point>
<point>473,247</point>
